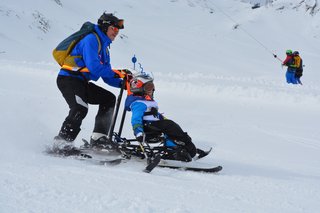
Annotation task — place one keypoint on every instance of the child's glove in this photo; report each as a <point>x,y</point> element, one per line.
<point>139,136</point>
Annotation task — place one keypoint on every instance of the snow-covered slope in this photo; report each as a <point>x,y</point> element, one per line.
<point>215,75</point>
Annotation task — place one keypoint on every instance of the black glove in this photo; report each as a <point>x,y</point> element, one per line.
<point>124,86</point>
<point>127,71</point>
<point>139,137</point>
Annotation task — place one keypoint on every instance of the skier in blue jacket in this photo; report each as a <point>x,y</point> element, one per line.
<point>90,61</point>
<point>146,118</point>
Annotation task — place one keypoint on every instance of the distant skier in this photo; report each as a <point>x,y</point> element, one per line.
<point>291,70</point>
<point>89,64</point>
<point>146,118</point>
<point>299,65</point>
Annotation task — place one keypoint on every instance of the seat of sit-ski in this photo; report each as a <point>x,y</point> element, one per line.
<point>154,137</point>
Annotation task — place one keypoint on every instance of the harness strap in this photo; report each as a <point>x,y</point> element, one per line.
<point>76,73</point>
<point>74,69</point>
<point>153,111</point>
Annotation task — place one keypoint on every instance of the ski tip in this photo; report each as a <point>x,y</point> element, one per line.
<point>208,170</point>
<point>219,168</point>
<point>146,170</point>
<point>153,163</point>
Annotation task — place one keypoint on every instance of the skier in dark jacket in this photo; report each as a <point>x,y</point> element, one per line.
<point>146,118</point>
<point>77,89</point>
<point>299,64</point>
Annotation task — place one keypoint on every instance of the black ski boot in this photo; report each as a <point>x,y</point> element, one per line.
<point>182,154</point>
<point>64,147</point>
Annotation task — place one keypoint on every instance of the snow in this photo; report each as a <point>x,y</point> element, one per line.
<point>221,84</point>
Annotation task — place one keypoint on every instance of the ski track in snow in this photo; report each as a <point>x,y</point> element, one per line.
<point>137,192</point>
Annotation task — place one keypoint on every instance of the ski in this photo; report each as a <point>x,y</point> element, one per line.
<point>104,162</point>
<point>86,157</point>
<point>189,166</point>
<point>195,169</point>
<point>93,156</point>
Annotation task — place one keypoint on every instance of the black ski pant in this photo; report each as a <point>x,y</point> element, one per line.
<point>78,94</point>
<point>174,132</point>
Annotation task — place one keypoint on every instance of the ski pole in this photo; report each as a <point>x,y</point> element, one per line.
<point>127,79</point>
<point>245,31</point>
<point>122,121</point>
<point>274,55</point>
<point>115,113</point>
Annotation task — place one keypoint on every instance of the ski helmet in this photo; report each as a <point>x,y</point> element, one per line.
<point>142,84</point>
<point>108,19</point>
<point>295,53</point>
<point>289,52</point>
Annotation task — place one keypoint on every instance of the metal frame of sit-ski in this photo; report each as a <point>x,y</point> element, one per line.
<point>144,150</point>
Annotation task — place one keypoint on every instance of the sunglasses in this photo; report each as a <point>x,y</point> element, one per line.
<point>119,24</point>
<point>116,29</point>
